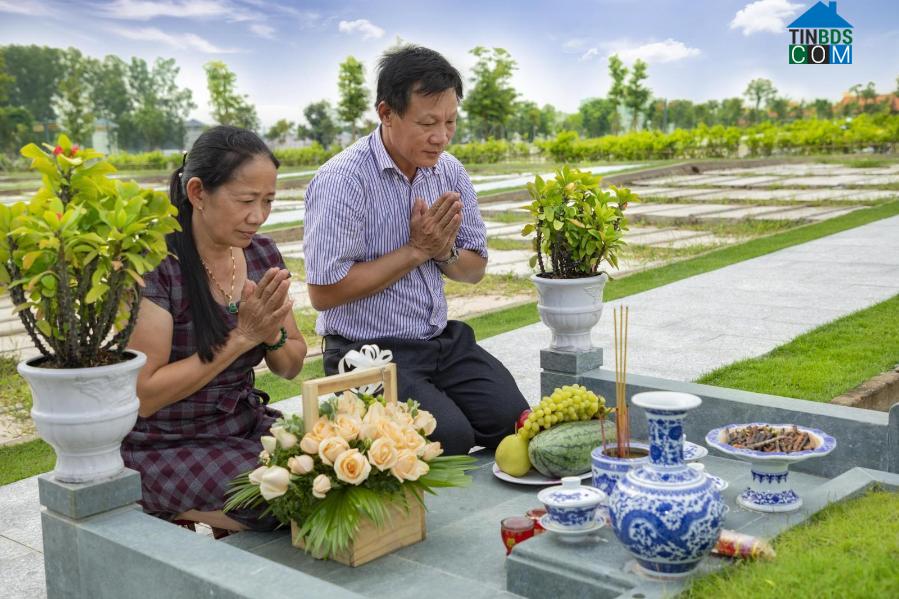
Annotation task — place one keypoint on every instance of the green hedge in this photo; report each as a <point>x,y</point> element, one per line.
<point>312,155</point>
<point>812,136</point>
<point>146,160</point>
<point>809,136</point>
<point>490,151</point>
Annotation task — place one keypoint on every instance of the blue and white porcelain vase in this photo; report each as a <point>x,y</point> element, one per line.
<point>667,514</point>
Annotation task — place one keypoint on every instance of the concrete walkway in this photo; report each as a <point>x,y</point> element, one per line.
<point>690,327</point>
<point>679,331</point>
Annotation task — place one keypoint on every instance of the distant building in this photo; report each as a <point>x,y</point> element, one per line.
<point>104,138</point>
<point>192,130</point>
<point>290,141</point>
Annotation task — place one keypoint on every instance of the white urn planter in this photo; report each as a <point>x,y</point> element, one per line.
<point>570,308</point>
<point>84,413</point>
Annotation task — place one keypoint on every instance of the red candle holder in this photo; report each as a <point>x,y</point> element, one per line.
<point>514,530</point>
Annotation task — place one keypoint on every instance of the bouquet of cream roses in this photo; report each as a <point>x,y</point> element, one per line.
<point>361,456</point>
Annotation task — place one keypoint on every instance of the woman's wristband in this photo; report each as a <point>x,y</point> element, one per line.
<point>280,342</point>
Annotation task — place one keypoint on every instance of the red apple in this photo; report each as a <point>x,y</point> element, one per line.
<point>522,418</point>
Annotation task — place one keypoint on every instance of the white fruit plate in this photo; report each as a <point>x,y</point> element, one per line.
<point>532,477</point>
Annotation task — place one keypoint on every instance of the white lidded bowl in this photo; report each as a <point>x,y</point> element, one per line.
<point>571,505</point>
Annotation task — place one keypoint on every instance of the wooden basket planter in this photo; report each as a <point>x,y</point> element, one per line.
<point>404,526</point>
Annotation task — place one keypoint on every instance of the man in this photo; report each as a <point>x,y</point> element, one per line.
<point>386,220</point>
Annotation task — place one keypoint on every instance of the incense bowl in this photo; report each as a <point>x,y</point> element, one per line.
<point>666,514</point>
<point>608,469</point>
<point>770,489</point>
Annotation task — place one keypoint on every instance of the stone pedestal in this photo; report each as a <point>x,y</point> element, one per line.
<point>98,544</point>
<point>565,368</point>
<point>65,504</point>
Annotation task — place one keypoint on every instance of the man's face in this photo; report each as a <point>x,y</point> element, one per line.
<point>417,138</point>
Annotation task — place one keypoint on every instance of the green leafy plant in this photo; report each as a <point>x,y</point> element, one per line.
<point>72,257</point>
<point>579,225</point>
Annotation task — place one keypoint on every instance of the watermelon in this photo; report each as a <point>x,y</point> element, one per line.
<point>564,450</point>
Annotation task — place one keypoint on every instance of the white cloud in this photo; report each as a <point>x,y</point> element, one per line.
<point>144,10</point>
<point>263,30</point>
<point>657,52</point>
<point>575,43</point>
<point>32,9</point>
<point>363,26</point>
<point>180,41</point>
<point>764,16</point>
<point>591,53</point>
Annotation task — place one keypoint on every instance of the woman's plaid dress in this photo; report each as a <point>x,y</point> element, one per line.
<point>188,452</point>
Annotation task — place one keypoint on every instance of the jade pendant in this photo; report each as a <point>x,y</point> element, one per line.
<point>232,308</point>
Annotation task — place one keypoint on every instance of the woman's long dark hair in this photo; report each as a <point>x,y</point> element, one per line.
<point>214,158</point>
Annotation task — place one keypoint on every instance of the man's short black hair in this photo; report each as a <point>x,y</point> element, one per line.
<point>414,69</point>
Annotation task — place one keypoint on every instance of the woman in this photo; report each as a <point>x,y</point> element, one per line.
<point>209,314</point>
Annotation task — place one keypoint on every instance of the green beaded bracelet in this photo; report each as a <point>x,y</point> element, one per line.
<point>280,342</point>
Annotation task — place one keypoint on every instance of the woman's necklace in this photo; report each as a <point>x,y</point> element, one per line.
<point>232,305</point>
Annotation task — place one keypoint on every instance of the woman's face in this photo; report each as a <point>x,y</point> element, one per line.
<point>233,213</point>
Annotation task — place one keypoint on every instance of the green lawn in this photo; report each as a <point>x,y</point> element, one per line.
<point>849,549</point>
<point>488,325</point>
<point>15,397</point>
<point>24,460</point>
<point>822,363</point>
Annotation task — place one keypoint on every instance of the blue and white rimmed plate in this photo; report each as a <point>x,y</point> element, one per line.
<point>694,452</point>
<point>568,533</point>
<point>824,443</point>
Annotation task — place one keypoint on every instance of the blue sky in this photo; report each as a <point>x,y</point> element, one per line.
<point>286,54</point>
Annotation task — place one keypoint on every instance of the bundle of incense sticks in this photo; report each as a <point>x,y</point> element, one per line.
<point>622,423</point>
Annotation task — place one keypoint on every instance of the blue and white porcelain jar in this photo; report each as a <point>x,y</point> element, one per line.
<point>666,514</point>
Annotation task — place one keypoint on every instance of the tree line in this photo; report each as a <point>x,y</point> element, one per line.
<point>42,87</point>
<point>146,110</point>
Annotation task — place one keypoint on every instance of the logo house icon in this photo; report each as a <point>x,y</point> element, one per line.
<point>821,36</point>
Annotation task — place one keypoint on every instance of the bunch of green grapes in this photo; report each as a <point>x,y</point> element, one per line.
<point>566,404</point>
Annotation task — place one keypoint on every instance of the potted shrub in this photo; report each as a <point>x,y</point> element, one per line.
<point>71,259</point>
<point>579,226</point>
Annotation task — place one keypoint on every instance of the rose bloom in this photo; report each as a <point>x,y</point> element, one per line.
<point>284,438</point>
<point>369,431</point>
<point>376,411</point>
<point>320,486</point>
<point>274,482</point>
<point>268,443</point>
<point>310,443</point>
<point>390,429</point>
<point>348,426</point>
<point>350,405</point>
<point>407,466</point>
<point>382,454</point>
<point>256,475</point>
<point>301,464</point>
<point>425,422</point>
<point>265,457</point>
<point>399,413</point>
<point>352,467</point>
<point>330,448</point>
<point>413,441</point>
<point>431,451</point>
<point>322,429</point>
